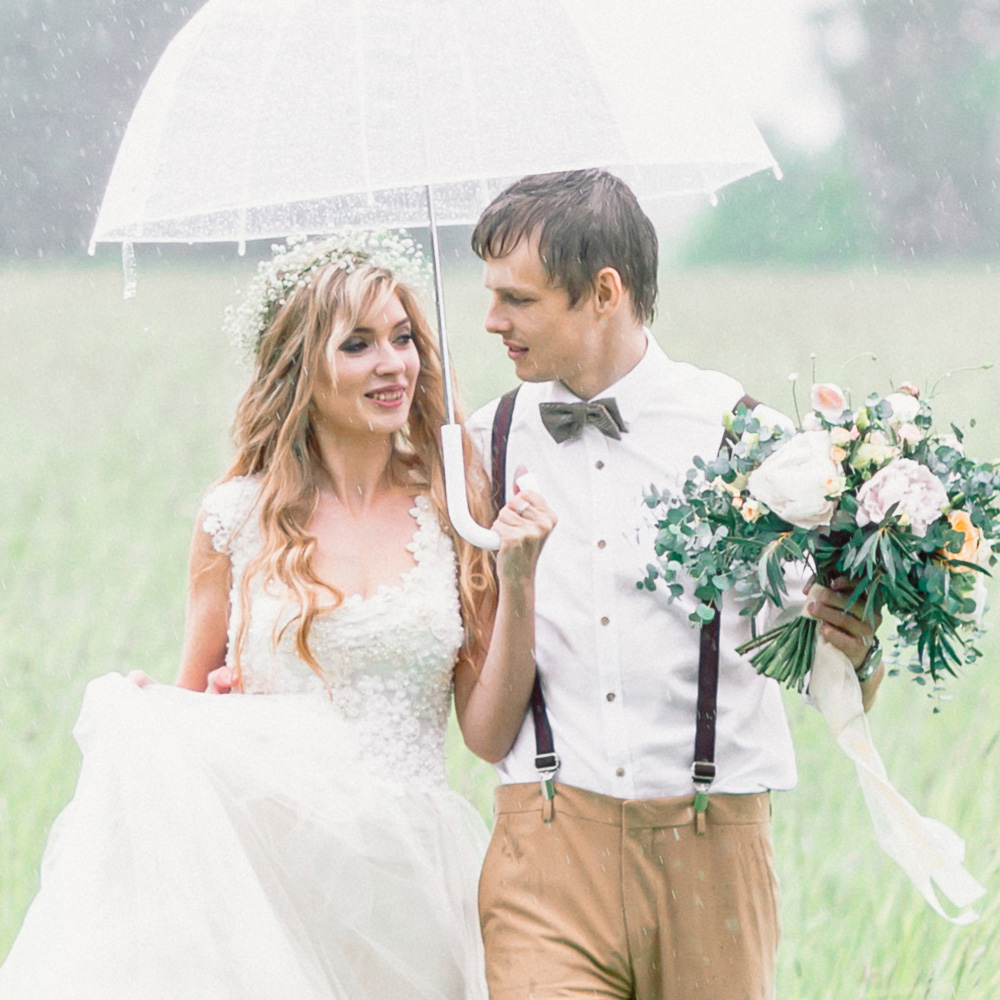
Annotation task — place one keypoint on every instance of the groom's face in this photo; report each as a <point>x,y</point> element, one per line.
<point>544,337</point>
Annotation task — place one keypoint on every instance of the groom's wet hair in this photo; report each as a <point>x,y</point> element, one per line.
<point>586,220</point>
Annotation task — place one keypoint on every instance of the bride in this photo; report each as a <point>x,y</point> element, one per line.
<point>301,843</point>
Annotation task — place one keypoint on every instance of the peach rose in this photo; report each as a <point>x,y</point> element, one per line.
<point>961,521</point>
<point>828,399</point>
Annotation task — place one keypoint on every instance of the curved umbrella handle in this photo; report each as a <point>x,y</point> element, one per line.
<point>455,492</point>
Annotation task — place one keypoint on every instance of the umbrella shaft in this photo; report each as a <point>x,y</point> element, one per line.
<point>449,398</point>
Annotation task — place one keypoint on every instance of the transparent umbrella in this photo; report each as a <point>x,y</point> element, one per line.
<point>270,118</point>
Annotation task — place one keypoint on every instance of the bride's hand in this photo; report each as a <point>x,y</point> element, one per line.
<point>523,524</point>
<point>220,681</point>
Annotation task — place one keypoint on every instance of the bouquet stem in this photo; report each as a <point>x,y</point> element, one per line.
<point>785,652</point>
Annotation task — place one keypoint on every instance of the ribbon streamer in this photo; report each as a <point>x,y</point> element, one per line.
<point>929,852</point>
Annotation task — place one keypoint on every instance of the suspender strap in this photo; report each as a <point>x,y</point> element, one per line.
<point>546,758</point>
<point>703,769</point>
<point>498,447</point>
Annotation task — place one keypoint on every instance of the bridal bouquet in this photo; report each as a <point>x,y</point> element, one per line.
<point>874,494</point>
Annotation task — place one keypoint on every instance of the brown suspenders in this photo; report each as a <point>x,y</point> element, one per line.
<point>546,759</point>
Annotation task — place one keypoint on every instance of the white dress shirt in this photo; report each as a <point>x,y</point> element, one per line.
<point>619,666</point>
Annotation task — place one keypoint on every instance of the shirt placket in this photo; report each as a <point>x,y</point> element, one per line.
<point>601,458</point>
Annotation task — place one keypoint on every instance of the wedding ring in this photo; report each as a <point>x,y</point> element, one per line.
<point>867,667</point>
<point>522,507</point>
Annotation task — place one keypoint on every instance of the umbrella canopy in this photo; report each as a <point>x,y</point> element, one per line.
<point>270,117</point>
<point>276,117</point>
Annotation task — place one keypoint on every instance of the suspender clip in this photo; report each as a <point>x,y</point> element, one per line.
<point>546,764</point>
<point>703,773</point>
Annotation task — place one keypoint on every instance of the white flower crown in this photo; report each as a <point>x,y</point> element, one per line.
<point>294,265</point>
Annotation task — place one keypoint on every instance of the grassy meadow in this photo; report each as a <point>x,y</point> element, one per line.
<point>115,417</point>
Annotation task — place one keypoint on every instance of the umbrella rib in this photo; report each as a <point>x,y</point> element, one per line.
<point>359,55</point>
<point>251,146</point>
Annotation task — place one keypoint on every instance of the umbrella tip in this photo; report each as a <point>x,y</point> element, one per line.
<point>713,199</point>
<point>130,270</point>
<point>241,248</point>
<point>777,171</point>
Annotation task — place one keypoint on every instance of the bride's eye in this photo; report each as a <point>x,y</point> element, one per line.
<point>353,345</point>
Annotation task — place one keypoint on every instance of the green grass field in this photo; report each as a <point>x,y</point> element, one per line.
<point>115,417</point>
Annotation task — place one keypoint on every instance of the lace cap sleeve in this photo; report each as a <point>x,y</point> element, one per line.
<point>227,508</point>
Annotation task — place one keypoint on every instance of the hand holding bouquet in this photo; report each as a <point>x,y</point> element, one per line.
<point>875,495</point>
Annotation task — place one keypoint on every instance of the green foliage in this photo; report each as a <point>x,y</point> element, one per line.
<point>815,215</point>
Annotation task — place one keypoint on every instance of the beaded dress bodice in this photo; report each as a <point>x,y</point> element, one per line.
<point>388,658</point>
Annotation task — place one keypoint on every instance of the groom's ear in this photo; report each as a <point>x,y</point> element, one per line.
<point>609,292</point>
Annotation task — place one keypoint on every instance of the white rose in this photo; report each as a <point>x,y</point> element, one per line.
<point>904,408</point>
<point>918,492</point>
<point>793,480</point>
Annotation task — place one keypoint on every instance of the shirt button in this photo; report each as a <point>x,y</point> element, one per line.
<point>605,620</point>
<point>599,464</point>
<point>620,772</point>
<point>611,696</point>
<point>601,544</point>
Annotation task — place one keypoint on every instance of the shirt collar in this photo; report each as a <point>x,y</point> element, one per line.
<point>633,389</point>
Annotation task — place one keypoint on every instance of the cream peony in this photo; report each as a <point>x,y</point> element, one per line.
<point>918,492</point>
<point>793,481</point>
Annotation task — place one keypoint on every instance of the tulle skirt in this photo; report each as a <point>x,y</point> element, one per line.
<point>234,848</point>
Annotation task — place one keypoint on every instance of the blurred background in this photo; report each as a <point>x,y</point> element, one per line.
<point>883,113</point>
<point>872,262</point>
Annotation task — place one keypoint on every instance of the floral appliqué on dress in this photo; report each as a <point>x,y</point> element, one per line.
<point>388,658</point>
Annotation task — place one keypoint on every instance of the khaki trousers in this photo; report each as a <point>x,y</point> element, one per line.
<point>622,898</point>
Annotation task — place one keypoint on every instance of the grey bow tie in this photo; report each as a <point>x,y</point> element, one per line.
<point>567,420</point>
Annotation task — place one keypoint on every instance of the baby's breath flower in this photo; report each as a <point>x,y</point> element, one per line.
<point>294,265</point>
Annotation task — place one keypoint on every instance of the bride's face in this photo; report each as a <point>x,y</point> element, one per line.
<point>371,375</point>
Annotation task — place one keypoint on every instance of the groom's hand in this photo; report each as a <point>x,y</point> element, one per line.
<point>846,628</point>
<point>523,524</point>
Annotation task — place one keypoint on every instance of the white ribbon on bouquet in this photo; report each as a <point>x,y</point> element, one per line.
<point>929,852</point>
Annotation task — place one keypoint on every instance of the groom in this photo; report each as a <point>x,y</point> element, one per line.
<point>601,878</point>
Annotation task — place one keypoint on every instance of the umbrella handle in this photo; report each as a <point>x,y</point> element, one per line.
<point>455,492</point>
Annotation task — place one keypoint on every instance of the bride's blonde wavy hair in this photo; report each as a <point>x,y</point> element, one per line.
<point>274,436</point>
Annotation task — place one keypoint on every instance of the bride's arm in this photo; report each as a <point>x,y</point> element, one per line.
<point>207,615</point>
<point>492,697</point>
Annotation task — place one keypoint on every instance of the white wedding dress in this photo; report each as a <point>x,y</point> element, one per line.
<point>280,844</point>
